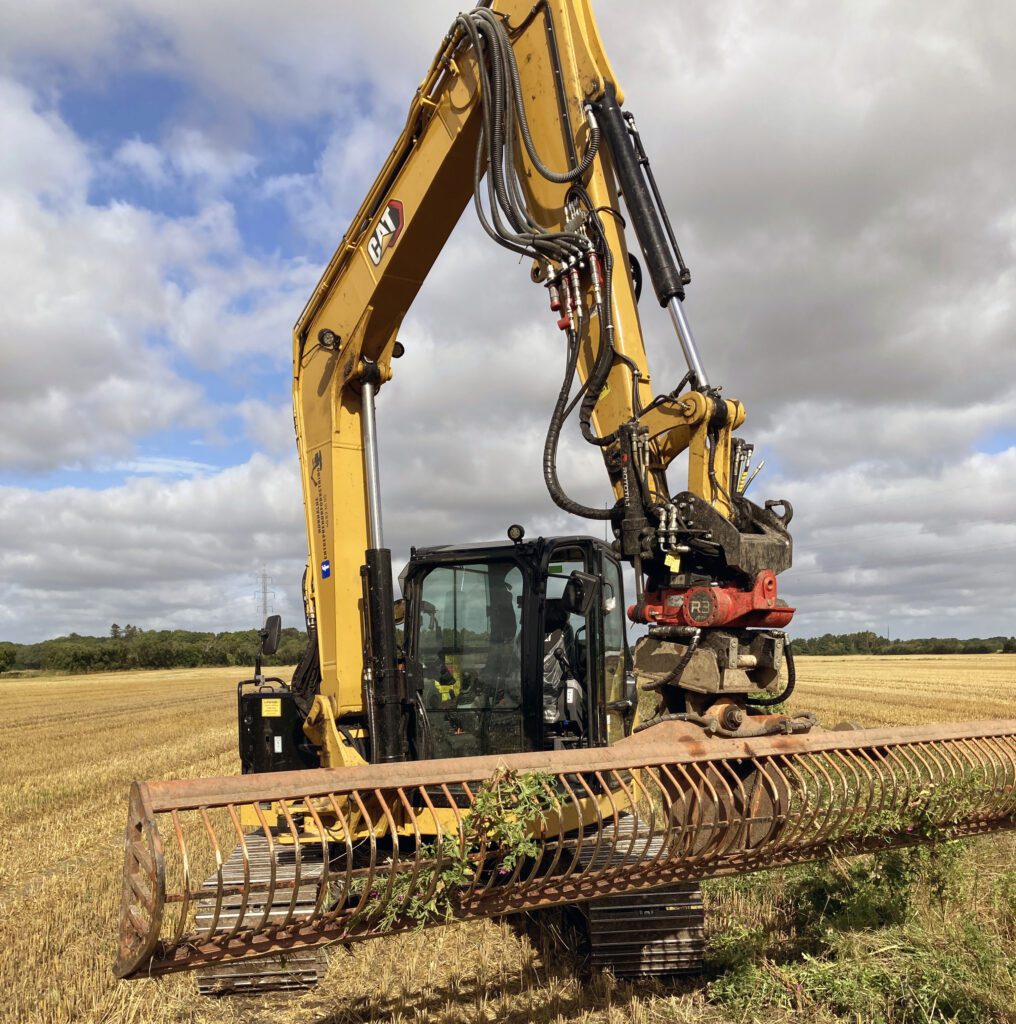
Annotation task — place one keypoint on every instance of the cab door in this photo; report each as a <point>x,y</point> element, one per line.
<point>619,702</point>
<point>597,647</point>
<point>597,651</point>
<point>466,657</point>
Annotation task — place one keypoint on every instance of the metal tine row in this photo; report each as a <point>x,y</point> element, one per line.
<point>1003,773</point>
<point>601,825</point>
<point>201,843</point>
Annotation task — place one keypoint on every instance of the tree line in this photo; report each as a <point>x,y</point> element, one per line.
<point>130,647</point>
<point>872,643</point>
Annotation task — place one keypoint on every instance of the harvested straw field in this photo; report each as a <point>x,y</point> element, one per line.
<point>895,941</point>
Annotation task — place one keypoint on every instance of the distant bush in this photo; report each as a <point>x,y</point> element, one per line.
<point>871,643</point>
<point>133,648</point>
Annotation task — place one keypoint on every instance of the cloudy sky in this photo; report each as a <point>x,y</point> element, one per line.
<point>174,176</point>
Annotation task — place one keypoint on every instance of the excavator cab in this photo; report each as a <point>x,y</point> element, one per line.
<point>516,647</point>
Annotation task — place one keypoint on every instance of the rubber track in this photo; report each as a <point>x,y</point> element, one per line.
<point>638,934</point>
<point>297,970</point>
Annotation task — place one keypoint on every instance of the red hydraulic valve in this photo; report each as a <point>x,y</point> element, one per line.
<point>701,606</point>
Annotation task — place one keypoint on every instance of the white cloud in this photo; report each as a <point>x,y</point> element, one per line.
<point>40,157</point>
<point>322,202</point>
<point>156,552</point>
<point>269,426</point>
<point>157,465</point>
<point>144,159</point>
<point>300,61</point>
<point>197,156</point>
<point>812,435</point>
<point>187,158</point>
<point>840,184</point>
<point>880,548</point>
<point>101,295</point>
<point>85,288</point>
<point>240,309</point>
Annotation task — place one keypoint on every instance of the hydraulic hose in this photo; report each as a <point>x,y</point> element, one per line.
<point>768,702</point>
<point>673,677</point>
<point>557,417</point>
<point>604,359</point>
<point>508,220</point>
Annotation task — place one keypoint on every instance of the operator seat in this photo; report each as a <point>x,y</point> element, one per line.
<point>557,617</point>
<point>563,697</point>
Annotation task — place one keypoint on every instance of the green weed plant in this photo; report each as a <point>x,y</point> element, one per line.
<point>497,834</point>
<point>893,937</point>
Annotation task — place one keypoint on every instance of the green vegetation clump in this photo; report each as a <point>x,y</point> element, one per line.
<point>901,975</point>
<point>496,836</point>
<point>899,937</point>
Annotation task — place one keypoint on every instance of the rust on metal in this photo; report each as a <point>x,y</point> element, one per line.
<point>663,807</point>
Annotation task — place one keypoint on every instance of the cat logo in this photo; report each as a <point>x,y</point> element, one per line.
<point>387,232</point>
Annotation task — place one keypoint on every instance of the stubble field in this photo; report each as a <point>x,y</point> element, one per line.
<point>70,746</point>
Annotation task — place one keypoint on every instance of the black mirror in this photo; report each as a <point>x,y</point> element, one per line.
<point>399,611</point>
<point>579,593</point>
<point>270,634</point>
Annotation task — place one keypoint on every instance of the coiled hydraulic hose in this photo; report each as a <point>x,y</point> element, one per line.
<point>768,702</point>
<point>510,222</point>
<point>557,418</point>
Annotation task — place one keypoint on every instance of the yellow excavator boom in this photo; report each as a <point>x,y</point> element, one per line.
<point>352,319</point>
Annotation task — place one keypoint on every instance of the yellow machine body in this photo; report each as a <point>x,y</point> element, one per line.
<point>342,851</point>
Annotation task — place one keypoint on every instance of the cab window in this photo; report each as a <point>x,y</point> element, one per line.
<point>469,651</point>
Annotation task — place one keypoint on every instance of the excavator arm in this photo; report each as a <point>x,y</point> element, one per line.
<point>552,195</point>
<point>348,330</point>
<point>521,114</point>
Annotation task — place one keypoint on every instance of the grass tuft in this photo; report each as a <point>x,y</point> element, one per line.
<point>898,937</point>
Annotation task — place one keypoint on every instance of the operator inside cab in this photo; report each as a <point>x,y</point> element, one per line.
<point>563,701</point>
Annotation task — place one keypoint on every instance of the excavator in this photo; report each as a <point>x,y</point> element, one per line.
<point>488,744</point>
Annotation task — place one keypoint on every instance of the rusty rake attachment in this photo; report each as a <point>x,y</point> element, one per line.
<point>345,854</point>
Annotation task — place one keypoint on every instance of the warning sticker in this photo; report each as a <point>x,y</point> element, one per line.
<point>271,707</point>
